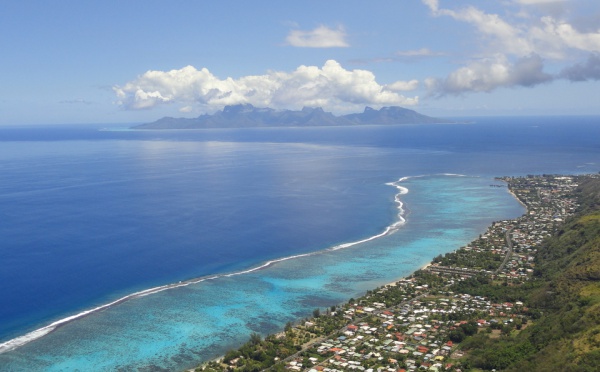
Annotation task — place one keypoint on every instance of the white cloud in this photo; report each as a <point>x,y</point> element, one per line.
<point>330,86</point>
<point>432,4</point>
<point>401,86</point>
<point>567,36</point>
<point>514,47</point>
<point>545,35</point>
<point>489,74</point>
<point>320,37</point>
<point>506,38</point>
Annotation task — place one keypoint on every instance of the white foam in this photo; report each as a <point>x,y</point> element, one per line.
<point>41,332</point>
<point>453,175</point>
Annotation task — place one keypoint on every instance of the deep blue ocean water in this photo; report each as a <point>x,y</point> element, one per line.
<point>88,216</point>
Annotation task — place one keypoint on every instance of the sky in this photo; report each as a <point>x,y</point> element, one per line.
<point>137,61</point>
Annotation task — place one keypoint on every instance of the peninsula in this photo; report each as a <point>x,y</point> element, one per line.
<point>522,296</point>
<point>248,116</point>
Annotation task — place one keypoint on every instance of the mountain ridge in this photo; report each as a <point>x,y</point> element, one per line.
<point>248,116</point>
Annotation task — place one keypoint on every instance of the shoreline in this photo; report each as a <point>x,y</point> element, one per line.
<point>16,342</point>
<point>517,198</point>
<point>32,336</point>
<point>424,267</point>
<point>390,311</point>
<point>393,283</point>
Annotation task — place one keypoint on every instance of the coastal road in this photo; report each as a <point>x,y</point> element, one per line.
<point>510,250</point>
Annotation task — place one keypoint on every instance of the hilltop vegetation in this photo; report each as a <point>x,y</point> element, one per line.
<point>564,296</point>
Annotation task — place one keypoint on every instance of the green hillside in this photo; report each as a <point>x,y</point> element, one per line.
<point>564,297</point>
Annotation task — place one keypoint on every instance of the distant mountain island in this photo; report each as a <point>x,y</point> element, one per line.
<point>248,116</point>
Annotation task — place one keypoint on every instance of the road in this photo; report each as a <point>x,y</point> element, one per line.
<point>509,244</point>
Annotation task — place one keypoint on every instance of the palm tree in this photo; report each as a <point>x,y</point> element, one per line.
<point>255,338</point>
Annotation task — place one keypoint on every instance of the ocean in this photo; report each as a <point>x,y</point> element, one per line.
<point>156,250</point>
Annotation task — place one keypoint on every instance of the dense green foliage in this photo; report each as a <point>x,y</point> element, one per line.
<point>564,295</point>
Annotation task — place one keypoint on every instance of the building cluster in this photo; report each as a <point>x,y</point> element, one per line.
<point>507,249</point>
<point>423,331</point>
<point>418,323</point>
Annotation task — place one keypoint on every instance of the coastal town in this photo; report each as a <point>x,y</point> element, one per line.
<point>422,322</point>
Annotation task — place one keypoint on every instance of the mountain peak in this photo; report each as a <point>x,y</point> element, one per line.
<point>237,109</point>
<point>248,116</point>
<point>312,109</point>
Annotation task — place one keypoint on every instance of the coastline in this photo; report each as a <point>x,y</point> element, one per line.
<point>394,283</point>
<point>38,333</point>
<point>517,198</point>
<point>377,157</point>
<point>218,361</point>
<point>424,267</point>
<point>359,280</point>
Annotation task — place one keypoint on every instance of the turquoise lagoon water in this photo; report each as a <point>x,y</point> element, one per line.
<point>180,326</point>
<point>91,216</point>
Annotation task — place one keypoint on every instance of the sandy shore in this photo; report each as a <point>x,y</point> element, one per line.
<point>404,277</point>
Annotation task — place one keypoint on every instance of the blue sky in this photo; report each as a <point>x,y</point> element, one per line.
<point>136,61</point>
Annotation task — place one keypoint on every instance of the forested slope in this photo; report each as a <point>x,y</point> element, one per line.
<point>565,299</point>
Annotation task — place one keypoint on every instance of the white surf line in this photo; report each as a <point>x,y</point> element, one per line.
<point>41,332</point>
<point>38,333</point>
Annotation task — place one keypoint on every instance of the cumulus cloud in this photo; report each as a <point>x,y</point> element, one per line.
<point>491,73</point>
<point>545,35</point>
<point>330,86</point>
<point>402,86</point>
<point>589,70</point>
<point>320,37</point>
<point>514,48</point>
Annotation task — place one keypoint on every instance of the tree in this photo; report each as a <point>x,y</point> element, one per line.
<point>457,335</point>
<point>255,338</point>
<point>316,313</point>
<point>288,327</point>
<point>470,328</point>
